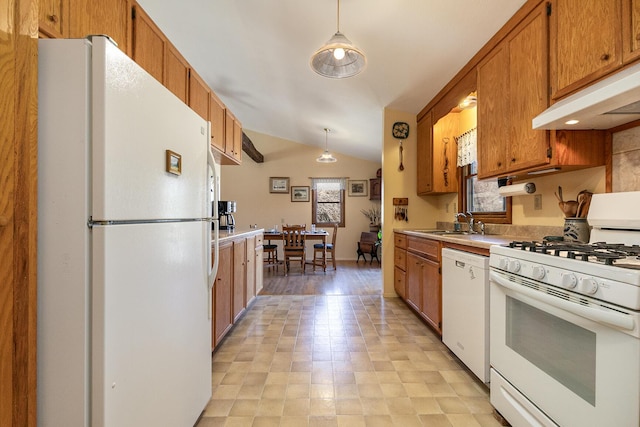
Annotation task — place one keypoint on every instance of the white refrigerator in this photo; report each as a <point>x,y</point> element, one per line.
<point>126,182</point>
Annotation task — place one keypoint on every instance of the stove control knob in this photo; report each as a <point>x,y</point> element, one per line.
<point>514,266</point>
<point>503,263</point>
<point>569,280</point>
<point>589,286</point>
<point>538,272</point>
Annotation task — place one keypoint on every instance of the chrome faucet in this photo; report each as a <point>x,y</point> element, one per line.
<point>481,225</point>
<point>470,221</point>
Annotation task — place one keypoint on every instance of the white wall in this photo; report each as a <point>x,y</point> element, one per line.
<point>248,184</point>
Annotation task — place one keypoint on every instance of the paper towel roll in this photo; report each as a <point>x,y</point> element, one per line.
<point>517,189</point>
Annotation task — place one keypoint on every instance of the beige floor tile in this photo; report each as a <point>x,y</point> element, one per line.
<point>435,420</point>
<point>218,408</point>
<point>323,421</point>
<point>400,406</point>
<point>249,391</point>
<point>274,391</point>
<point>374,406</point>
<point>322,407</point>
<point>296,407</point>
<point>348,407</point>
<point>226,392</point>
<point>378,421</point>
<point>426,405</point>
<point>452,405</point>
<point>212,422</point>
<point>266,421</point>
<point>239,422</point>
<point>417,390</point>
<point>371,391</point>
<point>463,420</point>
<point>407,421</point>
<point>270,407</point>
<point>392,390</point>
<point>244,408</point>
<point>293,421</point>
<point>298,391</point>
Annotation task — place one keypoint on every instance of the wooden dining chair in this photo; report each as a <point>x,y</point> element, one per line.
<point>319,249</point>
<point>293,246</point>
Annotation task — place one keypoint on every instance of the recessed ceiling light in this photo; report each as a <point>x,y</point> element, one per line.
<point>572,122</point>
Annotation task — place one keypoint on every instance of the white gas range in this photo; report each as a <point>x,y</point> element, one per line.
<point>565,324</point>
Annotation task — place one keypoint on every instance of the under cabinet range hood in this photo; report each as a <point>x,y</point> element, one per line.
<point>609,103</point>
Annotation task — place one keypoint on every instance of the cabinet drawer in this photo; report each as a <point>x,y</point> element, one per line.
<point>426,247</point>
<point>400,240</point>
<point>400,258</point>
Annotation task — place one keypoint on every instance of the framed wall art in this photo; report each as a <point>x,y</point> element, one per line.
<point>278,184</point>
<point>299,194</point>
<point>173,162</point>
<point>358,187</point>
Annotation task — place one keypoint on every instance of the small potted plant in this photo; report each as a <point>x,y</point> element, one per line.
<point>374,215</point>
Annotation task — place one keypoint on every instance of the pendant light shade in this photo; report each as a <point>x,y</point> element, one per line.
<point>338,58</point>
<point>326,157</point>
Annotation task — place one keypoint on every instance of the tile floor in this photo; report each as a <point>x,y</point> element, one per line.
<point>340,361</point>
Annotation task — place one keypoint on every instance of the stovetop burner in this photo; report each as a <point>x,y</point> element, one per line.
<point>598,252</point>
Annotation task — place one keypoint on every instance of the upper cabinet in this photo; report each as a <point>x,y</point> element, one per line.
<point>424,152</point>
<point>176,73</point>
<point>233,138</point>
<point>148,44</point>
<point>53,18</point>
<point>199,94</point>
<point>586,42</point>
<point>217,117</point>
<point>111,17</point>
<point>630,30</point>
<point>512,88</point>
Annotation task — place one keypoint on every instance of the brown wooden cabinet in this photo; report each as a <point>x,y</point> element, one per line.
<point>258,264</point>
<point>417,276</point>
<point>586,42</point>
<point>630,30</point>
<point>222,294</point>
<point>217,117</point>
<point>176,73</point>
<point>110,17</point>
<point>233,137</point>
<point>148,44</point>
<point>424,153</point>
<point>250,271</point>
<point>444,155</point>
<point>512,89</point>
<point>239,277</point>
<point>375,188</point>
<point>400,265</point>
<point>53,17</point>
<point>199,94</point>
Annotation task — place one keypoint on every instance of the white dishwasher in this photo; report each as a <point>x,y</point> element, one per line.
<point>465,309</point>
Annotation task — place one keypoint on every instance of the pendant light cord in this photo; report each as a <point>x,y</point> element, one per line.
<point>338,20</point>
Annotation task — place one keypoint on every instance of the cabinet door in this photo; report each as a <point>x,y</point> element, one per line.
<point>431,293</point>
<point>148,44</point>
<point>630,30</point>
<point>399,282</point>
<point>413,281</point>
<point>259,269</point>
<point>221,294</point>
<point>52,18</point>
<point>375,188</point>
<point>424,152</point>
<point>251,270</point>
<point>217,117</point>
<point>110,17</point>
<point>444,157</point>
<point>493,112</point>
<point>237,140</point>
<point>239,277</point>
<point>586,42</point>
<point>176,73</point>
<point>528,92</point>
<point>199,94</point>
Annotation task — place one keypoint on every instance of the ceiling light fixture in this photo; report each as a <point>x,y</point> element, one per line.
<point>469,102</point>
<point>326,157</point>
<point>338,58</point>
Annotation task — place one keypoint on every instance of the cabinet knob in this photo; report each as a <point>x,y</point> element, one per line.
<point>513,160</point>
<point>53,18</point>
<point>605,57</point>
<point>499,164</point>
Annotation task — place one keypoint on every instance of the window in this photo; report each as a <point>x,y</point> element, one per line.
<point>327,201</point>
<point>481,198</point>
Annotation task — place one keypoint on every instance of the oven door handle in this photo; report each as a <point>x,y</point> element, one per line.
<point>611,318</point>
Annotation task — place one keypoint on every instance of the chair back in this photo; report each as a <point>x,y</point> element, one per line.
<point>293,238</point>
<point>368,240</point>
<point>335,233</point>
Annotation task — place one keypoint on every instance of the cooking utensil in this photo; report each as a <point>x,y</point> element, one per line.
<point>569,208</point>
<point>401,167</point>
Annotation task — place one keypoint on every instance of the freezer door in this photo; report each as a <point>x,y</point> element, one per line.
<point>149,148</point>
<point>151,333</point>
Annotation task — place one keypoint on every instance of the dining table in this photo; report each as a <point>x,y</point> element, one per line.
<point>318,234</point>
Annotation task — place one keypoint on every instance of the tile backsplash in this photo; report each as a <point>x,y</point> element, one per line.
<point>626,160</point>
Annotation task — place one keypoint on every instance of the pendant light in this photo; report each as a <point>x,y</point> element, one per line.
<point>326,157</point>
<point>338,58</point>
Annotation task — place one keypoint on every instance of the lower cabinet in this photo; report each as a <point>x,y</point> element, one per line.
<point>421,278</point>
<point>221,294</point>
<point>236,283</point>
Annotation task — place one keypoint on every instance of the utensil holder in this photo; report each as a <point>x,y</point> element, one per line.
<point>576,230</point>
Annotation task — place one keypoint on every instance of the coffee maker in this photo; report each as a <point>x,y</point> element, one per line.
<point>226,208</point>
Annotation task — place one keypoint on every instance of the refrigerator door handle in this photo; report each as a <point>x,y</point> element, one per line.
<point>214,185</point>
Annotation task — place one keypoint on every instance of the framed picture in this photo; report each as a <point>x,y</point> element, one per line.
<point>299,194</point>
<point>173,162</point>
<point>278,184</point>
<point>358,187</point>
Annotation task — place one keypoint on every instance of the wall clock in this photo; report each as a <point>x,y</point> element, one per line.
<point>400,131</point>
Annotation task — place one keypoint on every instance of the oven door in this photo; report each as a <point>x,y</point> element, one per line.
<point>576,370</point>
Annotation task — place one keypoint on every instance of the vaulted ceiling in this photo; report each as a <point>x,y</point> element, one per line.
<point>255,55</point>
